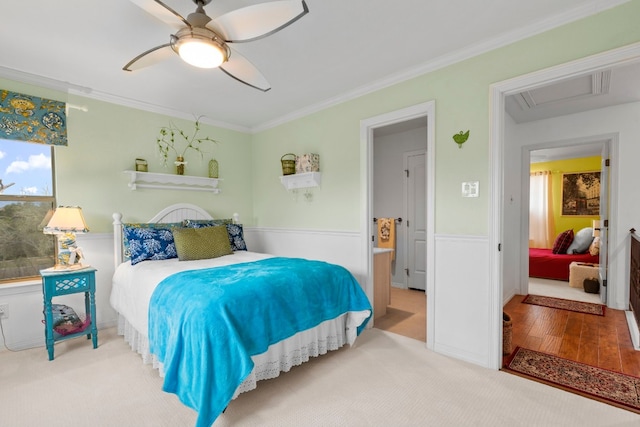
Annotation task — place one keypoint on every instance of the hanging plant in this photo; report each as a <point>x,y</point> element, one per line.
<point>174,141</point>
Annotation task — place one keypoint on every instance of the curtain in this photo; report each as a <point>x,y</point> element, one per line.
<point>541,224</point>
<point>33,119</point>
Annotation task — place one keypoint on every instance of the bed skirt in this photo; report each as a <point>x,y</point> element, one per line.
<point>280,357</point>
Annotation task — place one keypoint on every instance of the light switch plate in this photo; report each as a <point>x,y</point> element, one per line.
<point>470,189</point>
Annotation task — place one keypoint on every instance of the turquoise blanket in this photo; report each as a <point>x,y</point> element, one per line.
<point>204,325</point>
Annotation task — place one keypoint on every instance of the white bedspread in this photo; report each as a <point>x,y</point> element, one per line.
<point>134,285</point>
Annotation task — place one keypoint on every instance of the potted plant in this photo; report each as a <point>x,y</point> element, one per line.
<point>174,140</point>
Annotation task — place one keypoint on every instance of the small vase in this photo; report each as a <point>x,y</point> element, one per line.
<point>180,165</point>
<point>213,168</point>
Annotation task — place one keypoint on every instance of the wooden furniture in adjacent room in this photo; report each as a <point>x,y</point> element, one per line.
<point>633,316</point>
<point>58,283</point>
<point>381,281</point>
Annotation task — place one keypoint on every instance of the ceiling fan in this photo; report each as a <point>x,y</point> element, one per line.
<point>203,42</point>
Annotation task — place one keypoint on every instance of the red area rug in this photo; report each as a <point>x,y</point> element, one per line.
<point>565,304</point>
<point>596,383</point>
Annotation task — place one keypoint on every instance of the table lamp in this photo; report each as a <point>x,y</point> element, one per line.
<point>65,223</point>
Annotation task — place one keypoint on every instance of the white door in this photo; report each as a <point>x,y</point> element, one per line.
<point>415,225</point>
<point>604,221</point>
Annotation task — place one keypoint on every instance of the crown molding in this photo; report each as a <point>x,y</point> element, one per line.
<point>45,82</point>
<point>152,108</point>
<point>468,52</point>
<point>471,51</point>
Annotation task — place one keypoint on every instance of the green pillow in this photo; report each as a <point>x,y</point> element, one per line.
<point>201,243</point>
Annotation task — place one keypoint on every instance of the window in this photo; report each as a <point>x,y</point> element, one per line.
<point>26,197</point>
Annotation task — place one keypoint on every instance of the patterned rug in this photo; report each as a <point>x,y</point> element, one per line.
<point>565,304</point>
<point>608,386</point>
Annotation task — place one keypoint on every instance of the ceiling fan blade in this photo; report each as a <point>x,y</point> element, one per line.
<point>150,57</point>
<point>258,21</point>
<point>163,12</point>
<point>245,72</point>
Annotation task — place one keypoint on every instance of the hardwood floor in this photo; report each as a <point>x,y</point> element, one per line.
<point>406,315</point>
<point>601,341</point>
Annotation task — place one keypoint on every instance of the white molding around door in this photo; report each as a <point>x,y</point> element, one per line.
<point>367,127</point>
<point>498,92</point>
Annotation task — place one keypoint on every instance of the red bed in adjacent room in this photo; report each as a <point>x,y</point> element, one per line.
<point>547,265</point>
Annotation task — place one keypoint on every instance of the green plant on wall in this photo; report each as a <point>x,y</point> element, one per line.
<point>174,140</point>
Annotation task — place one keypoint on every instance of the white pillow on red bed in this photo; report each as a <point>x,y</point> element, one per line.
<point>581,241</point>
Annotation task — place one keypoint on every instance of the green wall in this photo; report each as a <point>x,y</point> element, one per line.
<point>461,95</point>
<point>557,168</point>
<point>107,138</point>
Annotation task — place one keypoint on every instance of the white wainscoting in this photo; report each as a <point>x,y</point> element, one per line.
<point>462,311</point>
<point>337,247</point>
<point>24,328</point>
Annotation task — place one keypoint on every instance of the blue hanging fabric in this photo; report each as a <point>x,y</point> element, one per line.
<point>33,119</point>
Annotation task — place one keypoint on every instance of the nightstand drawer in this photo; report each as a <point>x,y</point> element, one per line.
<point>68,285</point>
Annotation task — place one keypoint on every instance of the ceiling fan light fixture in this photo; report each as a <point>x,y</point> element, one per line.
<point>204,50</point>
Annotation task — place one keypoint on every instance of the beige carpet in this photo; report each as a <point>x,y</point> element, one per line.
<point>384,380</point>
<point>559,289</point>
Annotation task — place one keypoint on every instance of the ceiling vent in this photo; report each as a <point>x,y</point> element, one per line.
<point>578,88</point>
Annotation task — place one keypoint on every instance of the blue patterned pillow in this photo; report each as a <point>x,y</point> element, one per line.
<point>149,242</point>
<point>236,237</point>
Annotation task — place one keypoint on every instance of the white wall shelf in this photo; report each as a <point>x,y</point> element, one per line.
<point>171,181</point>
<point>301,180</point>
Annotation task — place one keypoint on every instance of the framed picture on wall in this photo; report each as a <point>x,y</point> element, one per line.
<point>581,194</point>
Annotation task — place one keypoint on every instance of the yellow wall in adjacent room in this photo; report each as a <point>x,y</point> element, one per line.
<point>557,168</point>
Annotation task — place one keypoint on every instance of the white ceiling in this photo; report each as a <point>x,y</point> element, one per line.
<point>339,50</point>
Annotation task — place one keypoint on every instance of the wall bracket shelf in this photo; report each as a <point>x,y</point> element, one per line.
<point>301,180</point>
<point>171,182</point>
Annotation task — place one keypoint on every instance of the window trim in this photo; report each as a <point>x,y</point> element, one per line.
<point>29,280</point>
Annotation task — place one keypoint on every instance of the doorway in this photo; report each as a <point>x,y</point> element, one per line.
<point>548,164</point>
<point>426,112</point>
<point>502,201</point>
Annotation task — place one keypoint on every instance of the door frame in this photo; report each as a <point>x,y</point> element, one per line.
<point>609,140</point>
<point>367,126</point>
<point>497,94</point>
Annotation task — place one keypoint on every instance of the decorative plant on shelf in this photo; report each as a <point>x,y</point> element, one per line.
<point>173,139</point>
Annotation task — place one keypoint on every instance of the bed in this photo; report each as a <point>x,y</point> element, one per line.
<point>544,264</point>
<point>270,313</point>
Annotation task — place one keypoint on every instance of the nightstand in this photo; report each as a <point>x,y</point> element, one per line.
<point>58,283</point>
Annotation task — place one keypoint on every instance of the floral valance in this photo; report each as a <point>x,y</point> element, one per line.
<point>33,119</point>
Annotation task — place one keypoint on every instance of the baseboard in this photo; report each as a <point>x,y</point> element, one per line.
<point>633,329</point>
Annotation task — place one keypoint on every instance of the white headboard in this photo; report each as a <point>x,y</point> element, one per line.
<point>173,213</point>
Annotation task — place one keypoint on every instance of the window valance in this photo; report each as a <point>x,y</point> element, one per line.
<point>33,119</point>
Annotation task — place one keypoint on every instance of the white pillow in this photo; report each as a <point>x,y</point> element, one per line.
<point>594,249</point>
<point>581,241</point>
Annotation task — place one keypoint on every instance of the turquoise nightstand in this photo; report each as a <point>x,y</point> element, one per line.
<point>57,283</point>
